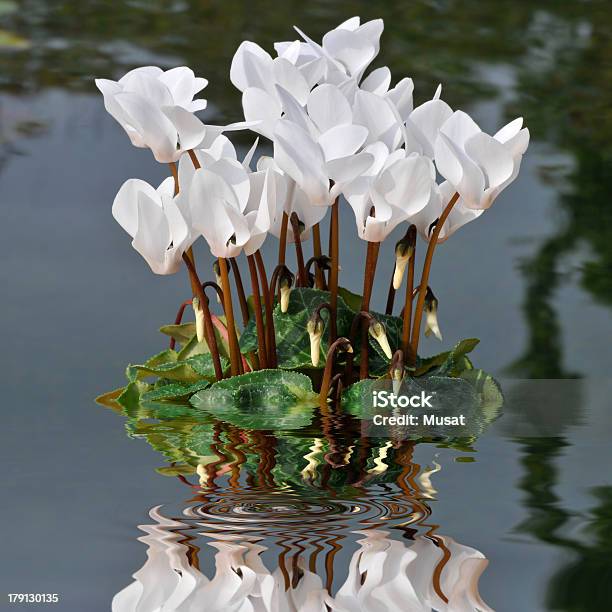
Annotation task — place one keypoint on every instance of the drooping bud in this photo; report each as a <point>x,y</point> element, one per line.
<point>315,333</point>
<point>199,316</point>
<point>431,315</point>
<point>377,331</point>
<point>397,371</point>
<point>404,251</point>
<point>285,282</point>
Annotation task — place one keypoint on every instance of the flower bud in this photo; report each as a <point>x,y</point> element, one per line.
<point>285,282</point>
<point>199,315</point>
<point>404,250</point>
<point>397,371</point>
<point>315,332</point>
<point>431,315</point>
<point>377,331</point>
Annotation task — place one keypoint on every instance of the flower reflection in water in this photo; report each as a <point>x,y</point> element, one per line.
<point>247,541</point>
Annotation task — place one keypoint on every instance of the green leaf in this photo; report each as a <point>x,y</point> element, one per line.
<point>292,341</point>
<point>174,391</point>
<point>182,333</point>
<point>266,399</point>
<point>352,300</point>
<point>190,370</point>
<point>130,398</point>
<point>449,363</point>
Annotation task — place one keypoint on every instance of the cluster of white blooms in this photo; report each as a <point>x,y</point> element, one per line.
<point>335,131</point>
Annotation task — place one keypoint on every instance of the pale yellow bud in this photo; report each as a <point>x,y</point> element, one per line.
<point>403,253</point>
<point>377,331</point>
<point>315,333</point>
<point>199,316</point>
<point>285,292</point>
<point>431,315</point>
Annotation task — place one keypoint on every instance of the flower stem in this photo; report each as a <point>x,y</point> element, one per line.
<point>295,226</point>
<point>261,332</point>
<point>418,315</point>
<point>194,159</point>
<point>244,308</point>
<point>178,319</point>
<point>360,319</point>
<point>333,274</point>
<point>209,332</point>
<point>340,343</point>
<point>390,298</point>
<point>174,170</point>
<point>316,247</point>
<point>235,361</point>
<point>368,283</point>
<point>407,310</point>
<point>271,340</point>
<point>282,247</point>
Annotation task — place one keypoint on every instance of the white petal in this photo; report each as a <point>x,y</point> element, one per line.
<point>377,81</point>
<point>246,162</point>
<point>454,165</point>
<point>428,118</point>
<point>517,144</point>
<point>148,86</point>
<point>509,130</point>
<point>189,128</point>
<point>313,71</point>
<point>492,156</point>
<point>234,175</point>
<point>350,24</point>
<point>376,114</point>
<point>345,169</point>
<point>181,83</point>
<point>259,105</point>
<point>294,112</point>
<point>290,52</point>
<point>406,184</point>
<point>355,52</point>
<point>153,235</point>
<point>342,140</point>
<point>459,127</point>
<point>125,205</point>
<point>328,107</point>
<point>299,156</point>
<point>155,129</point>
<point>401,96</point>
<point>251,66</point>
<point>291,79</point>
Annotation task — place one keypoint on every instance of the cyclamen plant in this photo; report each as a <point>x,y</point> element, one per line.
<point>337,133</point>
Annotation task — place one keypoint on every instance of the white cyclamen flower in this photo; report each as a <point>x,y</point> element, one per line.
<point>151,216</point>
<point>230,206</point>
<point>458,217</point>
<point>258,76</point>
<point>290,198</point>
<point>348,49</point>
<point>477,165</point>
<point>320,143</point>
<point>156,109</point>
<point>396,187</point>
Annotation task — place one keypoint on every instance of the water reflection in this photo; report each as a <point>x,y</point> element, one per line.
<point>316,518</point>
<point>267,565</point>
